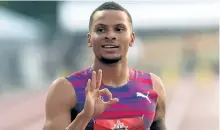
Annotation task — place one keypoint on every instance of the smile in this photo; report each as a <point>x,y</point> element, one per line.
<point>110,46</point>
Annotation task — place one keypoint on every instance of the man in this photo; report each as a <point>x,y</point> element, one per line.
<point>135,99</point>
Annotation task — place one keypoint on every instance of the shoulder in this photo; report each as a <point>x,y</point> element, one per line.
<point>59,101</point>
<point>156,81</point>
<point>158,85</point>
<point>61,81</point>
<point>61,91</point>
<point>80,73</point>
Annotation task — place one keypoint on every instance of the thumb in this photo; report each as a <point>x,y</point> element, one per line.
<point>111,102</point>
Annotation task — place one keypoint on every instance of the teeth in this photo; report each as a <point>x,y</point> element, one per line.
<point>109,46</point>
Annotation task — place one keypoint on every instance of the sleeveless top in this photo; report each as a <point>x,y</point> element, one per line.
<point>137,100</point>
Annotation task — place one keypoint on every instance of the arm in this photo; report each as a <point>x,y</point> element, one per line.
<point>61,98</point>
<point>159,118</point>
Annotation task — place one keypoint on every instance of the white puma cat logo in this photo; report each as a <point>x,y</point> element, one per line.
<point>142,95</point>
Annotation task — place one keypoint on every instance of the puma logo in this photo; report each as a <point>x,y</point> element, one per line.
<point>144,96</point>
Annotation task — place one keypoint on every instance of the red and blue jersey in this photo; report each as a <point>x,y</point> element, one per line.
<point>136,106</point>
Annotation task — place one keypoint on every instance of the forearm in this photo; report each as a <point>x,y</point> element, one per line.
<point>79,123</point>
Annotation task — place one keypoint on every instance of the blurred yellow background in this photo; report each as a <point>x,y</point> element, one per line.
<point>179,41</point>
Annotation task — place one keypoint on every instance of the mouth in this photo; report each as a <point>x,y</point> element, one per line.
<point>109,46</point>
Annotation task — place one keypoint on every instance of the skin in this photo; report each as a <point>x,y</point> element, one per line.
<point>159,118</point>
<point>109,26</point>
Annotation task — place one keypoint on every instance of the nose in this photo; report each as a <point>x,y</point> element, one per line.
<point>110,36</point>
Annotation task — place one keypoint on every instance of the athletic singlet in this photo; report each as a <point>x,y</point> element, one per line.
<point>135,109</point>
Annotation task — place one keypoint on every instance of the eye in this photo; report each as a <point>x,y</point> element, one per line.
<point>119,29</point>
<point>100,30</point>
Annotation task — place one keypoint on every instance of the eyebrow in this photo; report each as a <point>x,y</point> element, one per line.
<point>120,24</point>
<point>99,25</point>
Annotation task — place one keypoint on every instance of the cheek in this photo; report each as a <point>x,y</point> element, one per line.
<point>127,42</point>
<point>95,40</point>
<point>95,43</point>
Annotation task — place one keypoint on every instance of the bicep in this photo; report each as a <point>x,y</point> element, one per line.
<point>59,101</point>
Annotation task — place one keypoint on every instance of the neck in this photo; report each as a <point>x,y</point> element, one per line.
<point>113,74</point>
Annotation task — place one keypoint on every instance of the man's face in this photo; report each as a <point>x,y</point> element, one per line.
<point>111,35</point>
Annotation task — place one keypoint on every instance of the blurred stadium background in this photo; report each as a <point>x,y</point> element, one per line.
<point>177,40</point>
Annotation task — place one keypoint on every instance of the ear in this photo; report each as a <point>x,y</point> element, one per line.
<point>132,39</point>
<point>89,40</point>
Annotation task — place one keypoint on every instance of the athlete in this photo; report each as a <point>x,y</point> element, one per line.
<point>108,95</point>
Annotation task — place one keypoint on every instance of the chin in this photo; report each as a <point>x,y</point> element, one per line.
<point>110,60</point>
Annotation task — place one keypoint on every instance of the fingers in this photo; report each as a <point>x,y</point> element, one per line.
<point>96,81</point>
<point>111,102</point>
<point>88,87</point>
<point>105,91</point>
<point>99,79</point>
<point>93,84</point>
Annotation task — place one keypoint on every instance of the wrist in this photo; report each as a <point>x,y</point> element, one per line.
<point>84,117</point>
<point>80,122</point>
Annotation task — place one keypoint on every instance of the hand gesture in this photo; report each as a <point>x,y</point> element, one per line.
<point>94,105</point>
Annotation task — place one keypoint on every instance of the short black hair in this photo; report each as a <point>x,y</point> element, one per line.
<point>109,6</point>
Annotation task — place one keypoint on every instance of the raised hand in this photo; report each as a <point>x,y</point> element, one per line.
<point>94,105</point>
